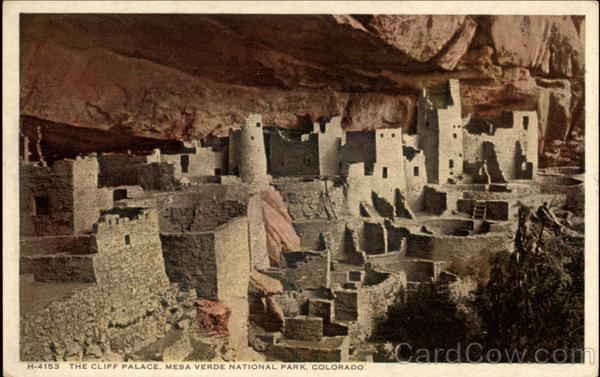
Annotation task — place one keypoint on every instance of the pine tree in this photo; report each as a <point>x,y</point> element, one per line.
<point>531,300</point>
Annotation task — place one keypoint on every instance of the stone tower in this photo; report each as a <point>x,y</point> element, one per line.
<point>439,126</point>
<point>252,159</point>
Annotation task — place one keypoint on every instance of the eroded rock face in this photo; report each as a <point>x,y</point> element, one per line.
<point>281,235</point>
<point>178,77</point>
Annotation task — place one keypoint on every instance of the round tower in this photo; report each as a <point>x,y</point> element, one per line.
<point>252,160</point>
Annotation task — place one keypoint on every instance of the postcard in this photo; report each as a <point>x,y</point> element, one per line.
<point>354,188</point>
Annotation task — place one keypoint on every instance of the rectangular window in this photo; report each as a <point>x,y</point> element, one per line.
<point>525,122</point>
<point>454,136</point>
<point>41,206</point>
<point>385,173</point>
<point>185,163</point>
<point>416,171</point>
<point>257,124</point>
<point>127,240</point>
<point>450,164</point>
<point>119,194</point>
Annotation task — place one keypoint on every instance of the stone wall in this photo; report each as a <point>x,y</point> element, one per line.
<point>358,146</point>
<point>451,154</point>
<point>233,274</point>
<point>212,191</point>
<point>125,310</point>
<point>439,126</point>
<point>311,239</point>
<point>70,245</point>
<point>252,160</point>
<point>204,162</point>
<point>61,199</point>
<point>129,250</point>
<point>146,171</point>
<point>367,304</point>
<point>257,234</point>
<point>315,199</point>
<point>388,170</point>
<point>46,200</point>
<point>373,302</point>
<point>435,201</point>
<point>107,196</point>
<point>461,251</point>
<point>306,270</point>
<point>361,186</point>
<point>96,324</point>
<point>289,157</point>
<point>415,172</point>
<point>156,176</point>
<point>191,212</point>
<point>190,261</point>
<point>59,268</point>
<point>85,194</point>
<point>427,131</point>
<point>216,265</point>
<point>304,328</point>
<point>329,140</point>
<point>514,144</point>
<point>375,238</point>
<point>119,170</point>
<point>416,270</point>
<point>495,209</point>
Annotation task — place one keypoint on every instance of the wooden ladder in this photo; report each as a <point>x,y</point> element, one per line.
<point>479,211</point>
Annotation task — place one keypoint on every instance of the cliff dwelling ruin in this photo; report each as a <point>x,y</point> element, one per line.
<point>269,243</point>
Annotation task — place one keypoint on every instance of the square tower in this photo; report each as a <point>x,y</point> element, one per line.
<point>61,199</point>
<point>439,126</point>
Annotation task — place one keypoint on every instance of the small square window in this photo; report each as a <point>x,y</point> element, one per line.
<point>257,124</point>
<point>127,239</point>
<point>218,171</point>
<point>119,194</point>
<point>393,135</point>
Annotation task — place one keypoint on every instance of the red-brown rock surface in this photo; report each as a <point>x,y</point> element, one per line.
<point>212,317</point>
<point>281,235</point>
<point>166,77</point>
<point>264,309</point>
<point>263,285</point>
